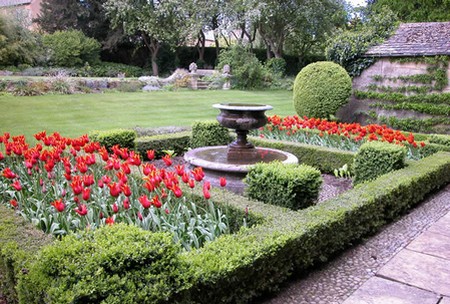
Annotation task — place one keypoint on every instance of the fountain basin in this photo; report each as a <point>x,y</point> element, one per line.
<point>216,164</point>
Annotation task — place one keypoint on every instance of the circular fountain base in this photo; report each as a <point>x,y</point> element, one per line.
<point>215,163</point>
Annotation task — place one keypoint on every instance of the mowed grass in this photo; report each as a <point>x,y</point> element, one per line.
<point>74,115</point>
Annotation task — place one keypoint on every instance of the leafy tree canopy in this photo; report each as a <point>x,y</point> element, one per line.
<point>415,10</point>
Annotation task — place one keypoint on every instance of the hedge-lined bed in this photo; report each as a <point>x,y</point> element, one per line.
<point>238,267</point>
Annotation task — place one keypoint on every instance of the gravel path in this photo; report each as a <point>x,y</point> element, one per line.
<point>339,278</point>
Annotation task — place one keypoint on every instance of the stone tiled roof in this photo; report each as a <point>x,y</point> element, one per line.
<point>13,2</point>
<point>416,39</point>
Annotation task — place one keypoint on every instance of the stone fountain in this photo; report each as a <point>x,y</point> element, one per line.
<point>235,160</point>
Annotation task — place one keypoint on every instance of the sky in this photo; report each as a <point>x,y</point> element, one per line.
<point>357,2</point>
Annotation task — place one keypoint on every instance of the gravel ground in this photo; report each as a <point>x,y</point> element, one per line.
<point>338,279</point>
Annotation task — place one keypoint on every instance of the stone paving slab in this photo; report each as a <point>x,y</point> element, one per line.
<point>382,291</point>
<point>442,226</point>
<point>445,300</point>
<point>431,243</point>
<point>419,270</point>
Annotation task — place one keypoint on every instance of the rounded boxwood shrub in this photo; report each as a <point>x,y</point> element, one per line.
<point>113,264</point>
<point>320,89</point>
<point>377,158</point>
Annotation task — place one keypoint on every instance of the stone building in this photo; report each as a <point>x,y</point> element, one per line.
<point>26,9</point>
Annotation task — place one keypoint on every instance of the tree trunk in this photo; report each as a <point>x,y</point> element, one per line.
<point>153,46</point>
<point>201,46</point>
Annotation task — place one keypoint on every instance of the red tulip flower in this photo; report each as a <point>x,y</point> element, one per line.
<point>114,189</point>
<point>140,216</point>
<point>1,156</point>
<point>156,202</point>
<point>16,185</point>
<point>115,208</point>
<point>167,160</point>
<point>14,203</point>
<point>8,173</point>
<point>151,154</point>
<point>81,210</point>
<point>109,221</point>
<point>59,205</point>
<point>86,193</point>
<point>145,202</point>
<point>198,174</point>
<point>77,185</point>
<point>179,169</point>
<point>126,204</point>
<point>126,190</point>
<point>222,182</point>
<point>88,180</point>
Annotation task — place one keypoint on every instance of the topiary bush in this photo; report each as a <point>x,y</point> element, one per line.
<point>377,158</point>
<point>176,142</point>
<point>112,264</point>
<point>209,133</point>
<point>122,137</point>
<point>320,89</point>
<point>292,186</point>
<point>71,48</point>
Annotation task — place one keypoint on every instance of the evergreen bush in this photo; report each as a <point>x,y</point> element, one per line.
<point>292,186</point>
<point>112,264</point>
<point>209,133</point>
<point>320,89</point>
<point>176,142</point>
<point>377,158</point>
<point>122,137</point>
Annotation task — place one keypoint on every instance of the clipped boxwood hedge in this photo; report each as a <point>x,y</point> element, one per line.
<point>322,158</point>
<point>112,264</point>
<point>177,142</point>
<point>122,137</point>
<point>292,186</point>
<point>377,158</point>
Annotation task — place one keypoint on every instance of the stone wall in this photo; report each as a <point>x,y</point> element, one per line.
<point>385,68</point>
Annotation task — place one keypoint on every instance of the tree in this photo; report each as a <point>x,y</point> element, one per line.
<point>415,10</point>
<point>18,45</point>
<point>279,21</point>
<point>156,21</point>
<point>88,16</point>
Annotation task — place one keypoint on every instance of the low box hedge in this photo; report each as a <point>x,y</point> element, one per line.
<point>324,159</point>
<point>209,133</point>
<point>177,142</point>
<point>109,138</point>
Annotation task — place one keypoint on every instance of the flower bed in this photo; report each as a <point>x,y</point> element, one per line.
<point>343,136</point>
<point>62,185</point>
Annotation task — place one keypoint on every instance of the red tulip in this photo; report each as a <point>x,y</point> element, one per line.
<point>59,205</point>
<point>115,208</point>
<point>86,193</point>
<point>198,174</point>
<point>191,183</point>
<point>16,185</point>
<point>77,185</point>
<point>140,216</point>
<point>14,203</point>
<point>1,156</point>
<point>179,169</point>
<point>206,193</point>
<point>126,190</point>
<point>222,182</point>
<point>8,173</point>
<point>167,160</point>
<point>114,189</point>
<point>81,210</point>
<point>126,203</point>
<point>109,221</point>
<point>143,199</point>
<point>156,202</point>
<point>177,191</point>
<point>151,154</point>
<point>88,180</point>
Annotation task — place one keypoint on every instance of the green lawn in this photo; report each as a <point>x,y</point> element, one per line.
<point>74,115</point>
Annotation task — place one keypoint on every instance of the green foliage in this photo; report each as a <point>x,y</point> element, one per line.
<point>71,48</point>
<point>276,66</point>
<point>343,172</point>
<point>438,98</point>
<point>436,124</point>
<point>292,186</point>
<point>325,159</point>
<point>247,71</point>
<point>117,264</point>
<point>348,48</point>
<point>377,158</point>
<point>20,243</point>
<point>320,89</point>
<point>209,133</point>
<point>440,139</point>
<point>177,142</point>
<point>416,10</point>
<point>427,108</point>
<point>111,69</point>
<point>122,137</point>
